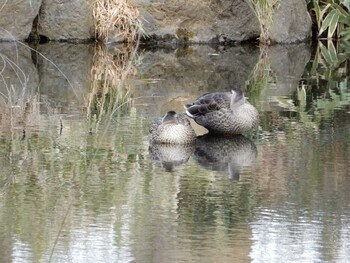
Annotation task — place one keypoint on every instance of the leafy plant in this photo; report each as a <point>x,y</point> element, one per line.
<point>329,56</point>
<point>332,17</point>
<point>325,83</point>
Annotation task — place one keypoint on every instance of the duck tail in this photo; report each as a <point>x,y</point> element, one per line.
<point>188,110</point>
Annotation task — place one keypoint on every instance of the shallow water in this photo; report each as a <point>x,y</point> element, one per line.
<point>80,183</point>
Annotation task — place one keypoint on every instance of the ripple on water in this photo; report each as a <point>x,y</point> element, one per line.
<point>287,236</point>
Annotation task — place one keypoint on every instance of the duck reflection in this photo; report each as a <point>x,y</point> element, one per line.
<point>171,155</point>
<point>225,154</point>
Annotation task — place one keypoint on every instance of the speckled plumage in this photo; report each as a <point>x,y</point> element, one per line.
<point>227,113</point>
<point>173,128</point>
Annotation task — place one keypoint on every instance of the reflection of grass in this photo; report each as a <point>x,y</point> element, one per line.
<point>57,172</point>
<point>336,99</point>
<point>46,177</point>
<point>324,89</point>
<point>19,113</point>
<point>110,71</point>
<point>45,174</point>
<point>261,77</point>
<point>19,107</point>
<point>327,79</point>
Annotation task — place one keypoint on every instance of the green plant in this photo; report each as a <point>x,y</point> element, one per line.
<point>332,17</point>
<point>330,56</point>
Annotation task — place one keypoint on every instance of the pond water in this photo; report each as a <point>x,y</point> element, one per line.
<point>80,182</point>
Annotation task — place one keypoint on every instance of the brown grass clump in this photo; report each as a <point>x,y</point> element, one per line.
<point>264,11</point>
<point>116,20</point>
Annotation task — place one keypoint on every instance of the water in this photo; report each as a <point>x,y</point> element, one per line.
<point>80,183</point>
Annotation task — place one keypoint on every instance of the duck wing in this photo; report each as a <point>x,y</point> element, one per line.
<point>208,102</point>
<point>155,124</point>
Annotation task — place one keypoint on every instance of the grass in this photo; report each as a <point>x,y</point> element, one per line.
<point>264,11</point>
<point>116,20</point>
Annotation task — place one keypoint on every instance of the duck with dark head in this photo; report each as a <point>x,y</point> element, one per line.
<point>224,113</point>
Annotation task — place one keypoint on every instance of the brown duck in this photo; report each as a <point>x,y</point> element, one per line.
<point>173,128</point>
<point>226,113</point>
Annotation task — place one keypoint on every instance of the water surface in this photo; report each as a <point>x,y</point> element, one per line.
<point>80,183</point>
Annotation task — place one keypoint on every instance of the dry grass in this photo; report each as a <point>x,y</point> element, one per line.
<point>116,20</point>
<point>264,11</point>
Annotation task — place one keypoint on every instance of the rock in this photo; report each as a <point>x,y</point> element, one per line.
<point>66,20</point>
<point>199,21</point>
<point>16,18</point>
<point>171,21</point>
<point>291,23</point>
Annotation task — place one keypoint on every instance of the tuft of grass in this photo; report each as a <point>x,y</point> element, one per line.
<point>264,11</point>
<point>118,18</point>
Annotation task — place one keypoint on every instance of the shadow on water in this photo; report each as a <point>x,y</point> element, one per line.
<point>84,183</point>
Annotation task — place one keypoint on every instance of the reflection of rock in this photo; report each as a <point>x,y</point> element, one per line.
<point>174,78</point>
<point>225,154</point>
<point>171,156</point>
<point>19,77</point>
<point>287,64</point>
<point>65,73</point>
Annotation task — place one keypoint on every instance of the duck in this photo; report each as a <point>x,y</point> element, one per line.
<point>173,128</point>
<point>224,113</point>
